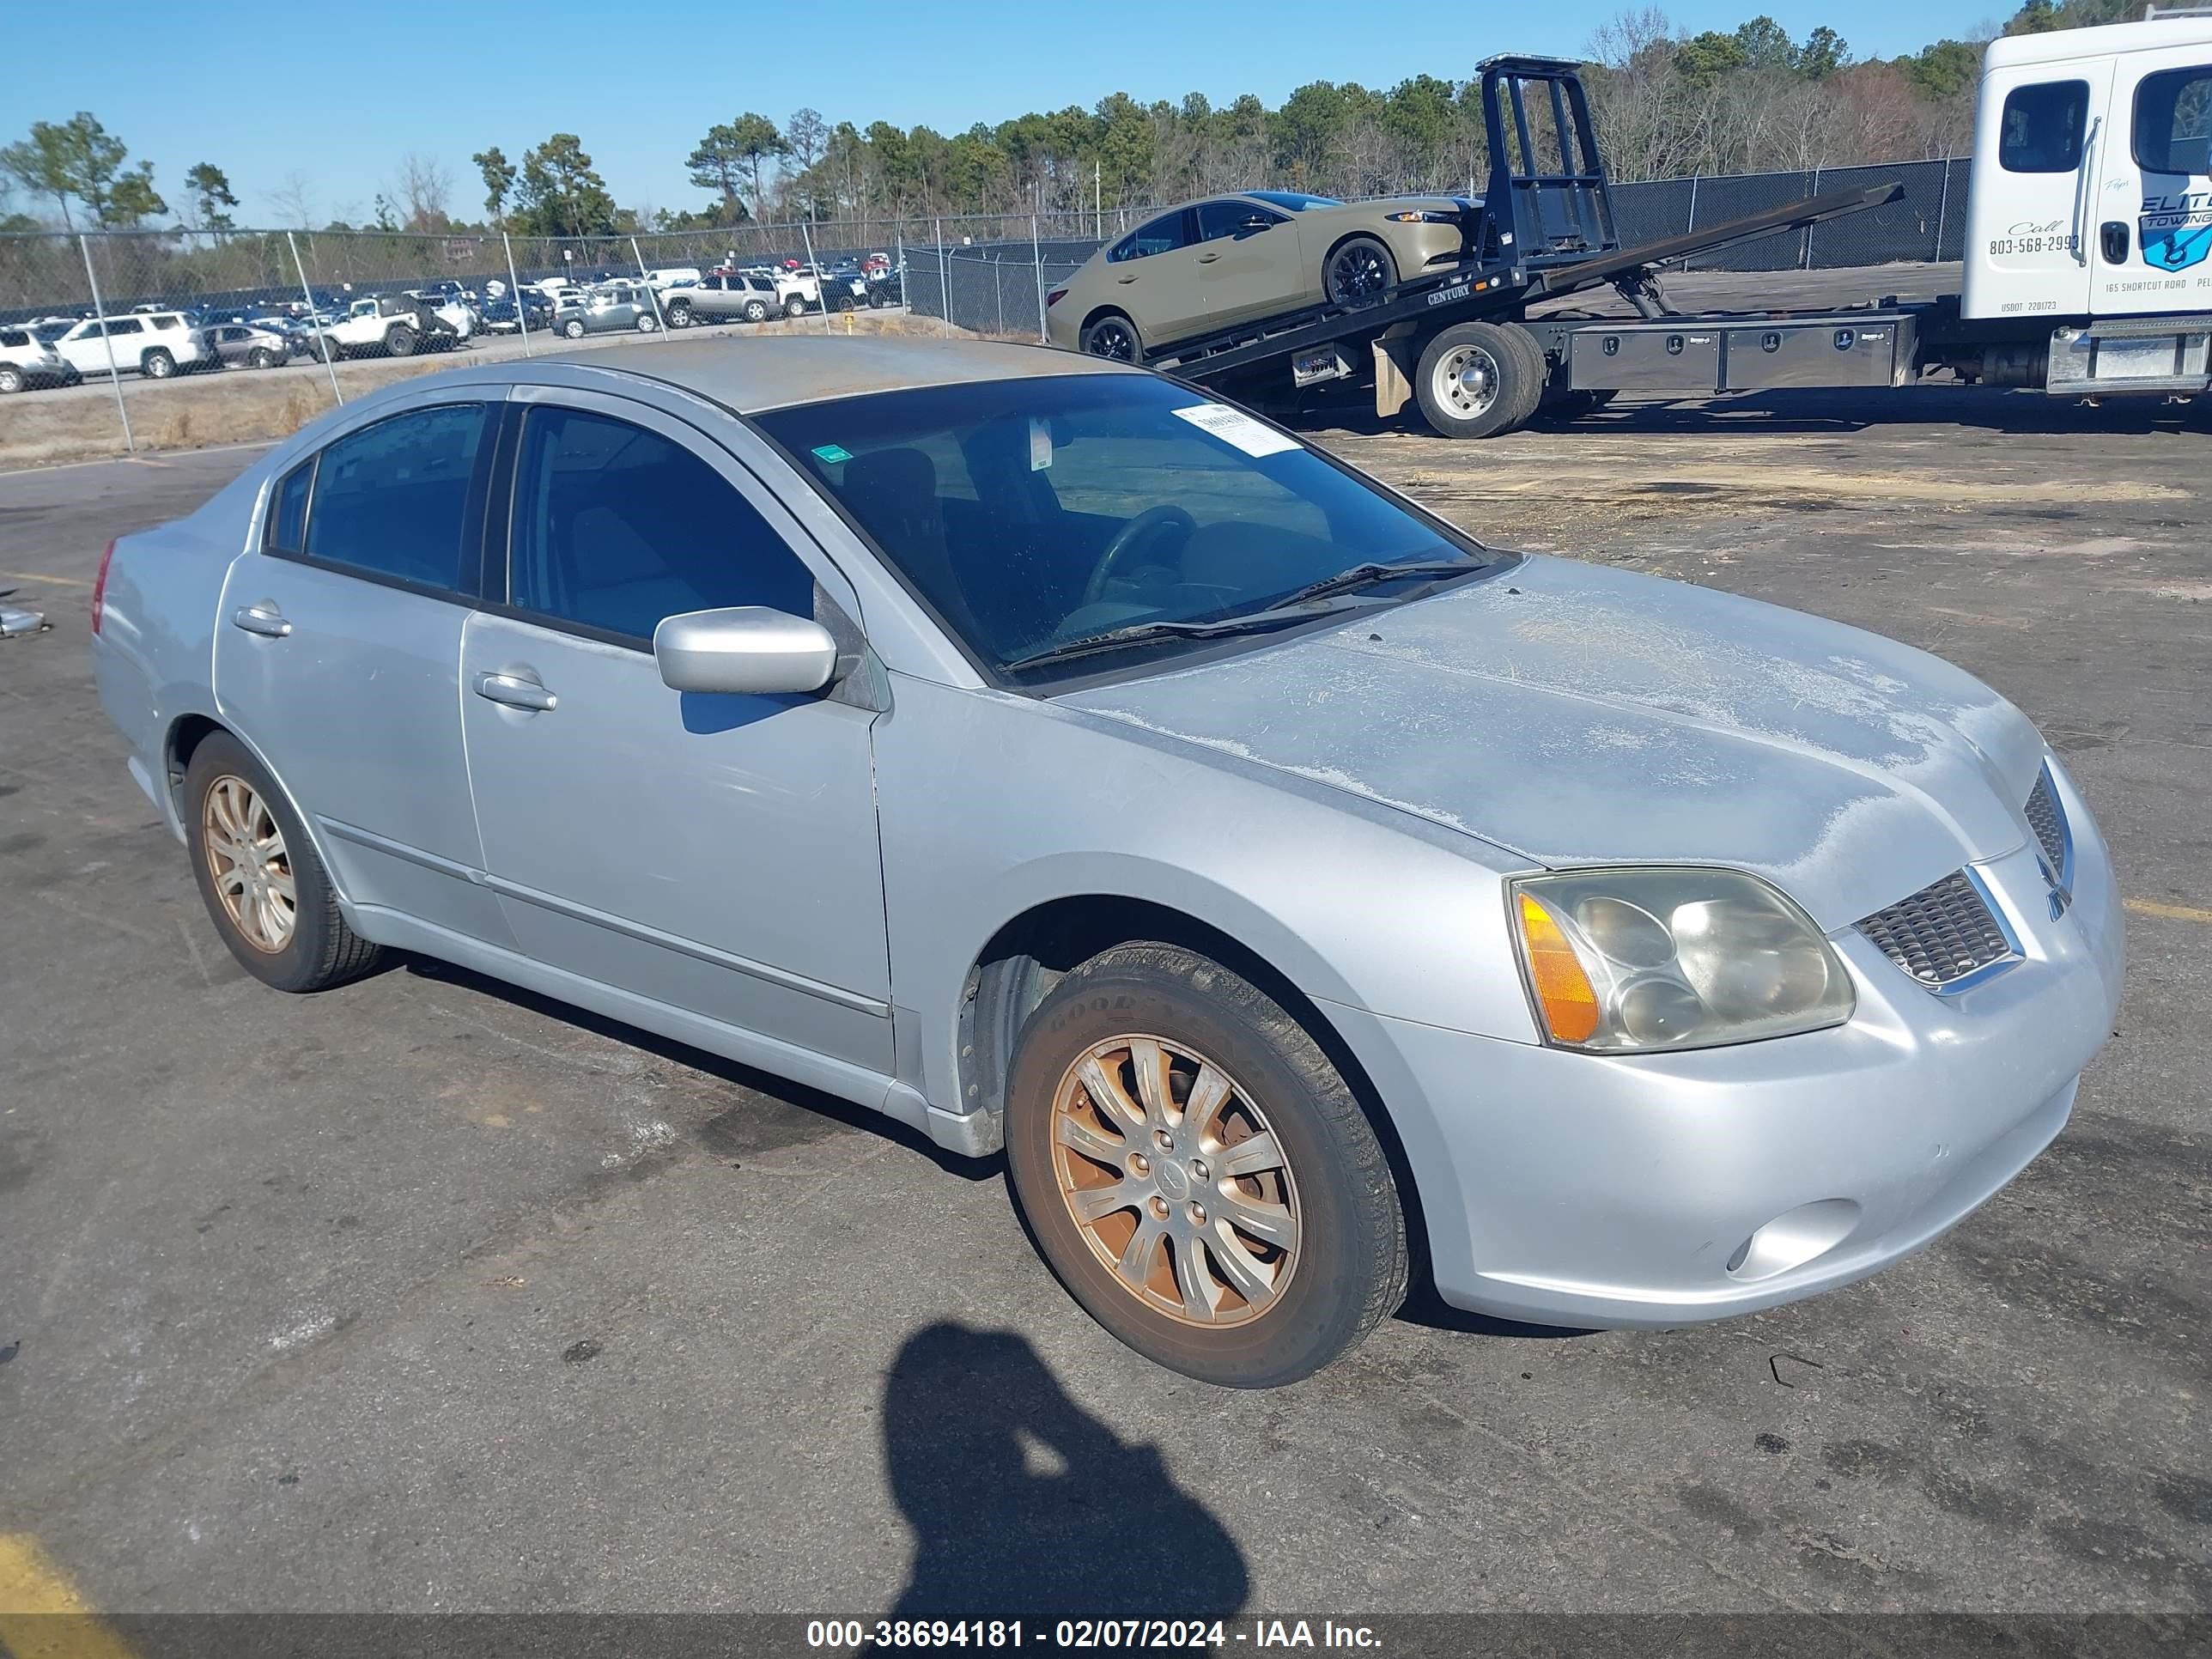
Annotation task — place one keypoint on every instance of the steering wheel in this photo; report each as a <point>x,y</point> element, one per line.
<point>1141,529</point>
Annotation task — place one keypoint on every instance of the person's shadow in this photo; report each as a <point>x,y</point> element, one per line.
<point>1022,1503</point>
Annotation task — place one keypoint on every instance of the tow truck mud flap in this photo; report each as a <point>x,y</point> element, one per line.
<point>1670,357</point>
<point>1831,353</point>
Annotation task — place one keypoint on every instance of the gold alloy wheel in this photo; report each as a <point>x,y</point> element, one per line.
<point>1175,1180</point>
<point>246,857</point>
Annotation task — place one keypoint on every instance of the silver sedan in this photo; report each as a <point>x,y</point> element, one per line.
<point>1050,758</point>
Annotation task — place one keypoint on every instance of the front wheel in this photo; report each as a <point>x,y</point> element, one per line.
<point>647,322</point>
<point>756,311</point>
<point>259,876</point>
<point>794,306</point>
<point>11,379</point>
<point>1114,336</point>
<point>400,341</point>
<point>262,357</point>
<point>1360,272</point>
<point>574,328</point>
<point>1198,1174</point>
<point>679,313</point>
<point>1479,380</point>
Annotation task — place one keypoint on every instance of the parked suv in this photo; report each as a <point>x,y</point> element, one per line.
<point>155,344</point>
<point>723,297</point>
<point>27,361</point>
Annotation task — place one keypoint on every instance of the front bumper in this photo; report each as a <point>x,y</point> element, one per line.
<point>1578,1189</point>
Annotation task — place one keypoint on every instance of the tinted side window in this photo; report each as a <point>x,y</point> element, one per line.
<point>125,326</point>
<point>616,527</point>
<point>1163,236</point>
<point>1219,219</point>
<point>2040,129</point>
<point>2174,121</point>
<point>287,511</point>
<point>14,336</point>
<point>393,498</point>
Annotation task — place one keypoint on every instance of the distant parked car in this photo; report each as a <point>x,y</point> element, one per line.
<point>242,344</point>
<point>155,344</point>
<point>723,297</point>
<point>668,276</point>
<point>612,308</point>
<point>507,314</point>
<point>27,360</point>
<point>886,287</point>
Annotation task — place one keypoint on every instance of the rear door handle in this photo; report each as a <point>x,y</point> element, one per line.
<point>516,692</point>
<point>1125,281</point>
<point>263,619</point>
<point>1207,258</point>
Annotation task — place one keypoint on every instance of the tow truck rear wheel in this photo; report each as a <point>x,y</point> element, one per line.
<point>1479,380</point>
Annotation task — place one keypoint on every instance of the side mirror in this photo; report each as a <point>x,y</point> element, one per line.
<point>747,648</point>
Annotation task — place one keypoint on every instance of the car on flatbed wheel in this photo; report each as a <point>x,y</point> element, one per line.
<point>1212,264</point>
<point>1324,891</point>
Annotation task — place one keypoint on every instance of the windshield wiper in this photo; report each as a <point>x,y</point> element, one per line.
<point>1254,622</point>
<point>1374,572</point>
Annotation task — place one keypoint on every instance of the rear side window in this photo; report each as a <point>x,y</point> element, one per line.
<point>392,500</point>
<point>1163,236</point>
<point>2040,129</point>
<point>616,527</point>
<point>14,336</point>
<point>124,325</point>
<point>2174,121</point>
<point>287,511</point>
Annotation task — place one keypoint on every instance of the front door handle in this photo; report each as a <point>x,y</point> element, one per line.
<point>1207,258</point>
<point>516,692</point>
<point>1125,281</point>
<point>2114,235</point>
<point>263,619</point>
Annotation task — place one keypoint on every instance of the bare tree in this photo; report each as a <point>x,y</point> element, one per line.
<point>293,203</point>
<point>423,187</point>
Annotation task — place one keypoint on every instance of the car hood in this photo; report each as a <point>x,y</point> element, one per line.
<point>1572,714</point>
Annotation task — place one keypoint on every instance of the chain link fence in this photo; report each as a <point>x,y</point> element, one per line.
<point>325,312</point>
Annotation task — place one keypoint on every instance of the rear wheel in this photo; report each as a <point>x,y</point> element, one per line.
<point>756,311</point>
<point>647,322</point>
<point>1197,1173</point>
<point>1360,272</point>
<point>258,873</point>
<point>574,328</point>
<point>262,357</point>
<point>157,364</point>
<point>11,378</point>
<point>877,299</point>
<point>1113,335</point>
<point>794,306</point>
<point>400,341</point>
<point>1479,380</point>
<point>679,313</point>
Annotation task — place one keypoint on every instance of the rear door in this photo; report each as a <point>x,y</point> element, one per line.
<point>1153,275</point>
<point>2155,207</point>
<point>2040,136</point>
<point>337,656</point>
<point>1248,271</point>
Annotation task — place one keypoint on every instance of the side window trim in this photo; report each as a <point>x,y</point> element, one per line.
<point>473,510</point>
<point>830,582</point>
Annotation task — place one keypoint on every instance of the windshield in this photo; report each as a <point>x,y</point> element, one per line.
<point>1035,513</point>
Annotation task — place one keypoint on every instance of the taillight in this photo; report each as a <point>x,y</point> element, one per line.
<point>100,587</point>
<point>1054,298</point>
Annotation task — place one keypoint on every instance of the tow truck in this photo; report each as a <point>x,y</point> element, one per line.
<point>2089,225</point>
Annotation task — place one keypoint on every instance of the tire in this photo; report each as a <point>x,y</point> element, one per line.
<point>400,341</point>
<point>1328,1188</point>
<point>317,950</point>
<point>1359,271</point>
<point>261,358</point>
<point>679,313</point>
<point>756,311</point>
<point>1113,335</point>
<point>157,364</point>
<point>877,300</point>
<point>1479,380</point>
<point>647,322</point>
<point>574,328</point>
<point>11,379</point>
<point>794,306</point>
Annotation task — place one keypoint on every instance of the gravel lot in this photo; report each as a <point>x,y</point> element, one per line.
<point>427,1295</point>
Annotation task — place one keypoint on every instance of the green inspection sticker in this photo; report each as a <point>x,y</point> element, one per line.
<point>832,454</point>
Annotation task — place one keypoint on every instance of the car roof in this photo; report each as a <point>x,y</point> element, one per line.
<point>751,376</point>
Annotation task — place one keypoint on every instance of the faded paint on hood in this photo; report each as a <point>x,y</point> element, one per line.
<point>1574,714</point>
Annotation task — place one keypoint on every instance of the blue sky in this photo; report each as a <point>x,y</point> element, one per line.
<point>640,98</point>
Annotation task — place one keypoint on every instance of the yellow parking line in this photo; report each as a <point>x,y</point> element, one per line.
<point>41,1614</point>
<point>2176,912</point>
<point>34,576</point>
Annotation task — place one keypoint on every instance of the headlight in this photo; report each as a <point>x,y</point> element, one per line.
<point>1631,961</point>
<point>1422,216</point>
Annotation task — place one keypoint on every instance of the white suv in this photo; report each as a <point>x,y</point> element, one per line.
<point>156,344</point>
<point>26,361</point>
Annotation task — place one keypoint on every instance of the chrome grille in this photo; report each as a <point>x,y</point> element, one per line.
<point>1943,933</point>
<point>2048,819</point>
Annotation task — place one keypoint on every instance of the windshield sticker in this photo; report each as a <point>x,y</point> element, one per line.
<point>832,454</point>
<point>1233,426</point>
<point>1040,443</point>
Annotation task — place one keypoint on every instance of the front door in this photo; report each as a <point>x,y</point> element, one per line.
<point>1247,268</point>
<point>2155,208</point>
<point>2039,140</point>
<point>713,854</point>
<point>338,647</point>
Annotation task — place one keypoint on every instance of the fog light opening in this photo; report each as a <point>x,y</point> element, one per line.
<point>1794,1238</point>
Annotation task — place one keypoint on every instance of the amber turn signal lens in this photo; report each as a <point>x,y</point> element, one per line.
<point>1562,989</point>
